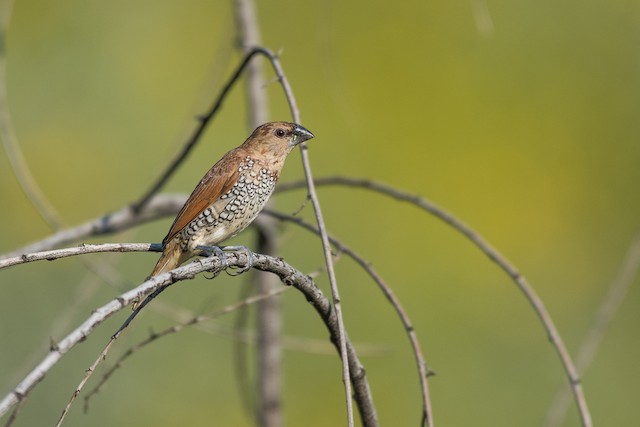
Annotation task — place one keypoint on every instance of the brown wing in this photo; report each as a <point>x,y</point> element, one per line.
<point>218,181</point>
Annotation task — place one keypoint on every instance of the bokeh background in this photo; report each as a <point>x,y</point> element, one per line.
<point>520,118</point>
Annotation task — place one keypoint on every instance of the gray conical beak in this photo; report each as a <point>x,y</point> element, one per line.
<point>301,134</point>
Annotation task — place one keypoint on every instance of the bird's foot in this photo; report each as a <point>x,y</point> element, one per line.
<point>214,250</point>
<point>220,252</point>
<point>250,259</point>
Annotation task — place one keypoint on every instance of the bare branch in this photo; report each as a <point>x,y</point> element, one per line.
<point>423,371</point>
<point>80,250</point>
<point>313,196</point>
<point>495,256</point>
<point>288,275</point>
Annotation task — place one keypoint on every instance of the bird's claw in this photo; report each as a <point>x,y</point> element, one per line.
<point>220,253</point>
<point>217,251</point>
<point>250,259</point>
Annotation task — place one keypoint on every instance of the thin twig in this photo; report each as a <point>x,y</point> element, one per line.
<point>175,329</point>
<point>495,256</point>
<point>608,309</point>
<point>87,374</point>
<point>79,250</point>
<point>423,370</point>
<point>14,414</point>
<point>306,164</point>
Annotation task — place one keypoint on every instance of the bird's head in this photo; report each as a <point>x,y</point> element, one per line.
<point>278,137</point>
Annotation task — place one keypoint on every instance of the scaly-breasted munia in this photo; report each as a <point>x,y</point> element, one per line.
<point>232,194</point>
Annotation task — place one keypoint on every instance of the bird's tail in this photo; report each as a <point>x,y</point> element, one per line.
<point>171,258</point>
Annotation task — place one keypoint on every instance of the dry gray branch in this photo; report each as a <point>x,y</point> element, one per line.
<point>83,249</point>
<point>287,274</point>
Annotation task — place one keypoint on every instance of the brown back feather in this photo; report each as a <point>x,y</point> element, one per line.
<point>218,181</point>
<point>224,174</point>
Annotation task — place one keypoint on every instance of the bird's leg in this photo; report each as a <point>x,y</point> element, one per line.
<point>250,258</point>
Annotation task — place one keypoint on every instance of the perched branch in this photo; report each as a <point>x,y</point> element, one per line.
<point>287,274</point>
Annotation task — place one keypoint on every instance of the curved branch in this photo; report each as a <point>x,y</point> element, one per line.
<point>495,256</point>
<point>423,370</point>
<point>287,274</point>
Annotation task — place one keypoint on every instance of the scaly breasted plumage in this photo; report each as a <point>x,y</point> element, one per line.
<point>232,194</point>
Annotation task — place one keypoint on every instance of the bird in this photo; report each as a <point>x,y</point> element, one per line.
<point>231,194</point>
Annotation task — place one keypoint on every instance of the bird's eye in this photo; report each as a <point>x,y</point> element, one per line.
<point>280,133</point>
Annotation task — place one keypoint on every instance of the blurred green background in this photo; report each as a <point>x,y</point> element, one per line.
<point>521,118</point>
